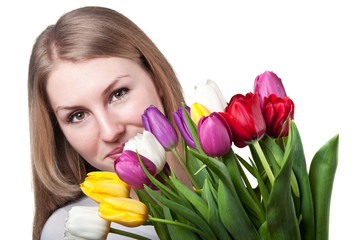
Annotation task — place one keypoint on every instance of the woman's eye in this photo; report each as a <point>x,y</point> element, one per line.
<point>118,94</point>
<point>76,117</point>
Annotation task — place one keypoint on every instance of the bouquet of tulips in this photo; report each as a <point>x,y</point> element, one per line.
<point>271,195</point>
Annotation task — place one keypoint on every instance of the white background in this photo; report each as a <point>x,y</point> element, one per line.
<point>313,46</point>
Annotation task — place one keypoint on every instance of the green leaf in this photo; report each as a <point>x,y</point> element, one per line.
<point>281,218</point>
<point>307,225</point>
<point>246,165</point>
<point>160,228</point>
<point>187,213</point>
<point>263,232</point>
<point>198,203</point>
<point>322,174</point>
<point>213,217</point>
<point>194,164</point>
<point>177,232</point>
<point>275,154</point>
<point>262,186</point>
<point>166,191</point>
<point>247,201</point>
<point>217,167</point>
<point>233,215</point>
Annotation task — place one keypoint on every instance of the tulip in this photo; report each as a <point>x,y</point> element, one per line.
<point>181,122</point>
<point>129,169</point>
<point>84,222</point>
<point>215,136</point>
<point>125,211</point>
<point>209,95</point>
<point>276,112</point>
<point>268,83</point>
<point>197,111</point>
<point>244,116</point>
<point>100,185</point>
<point>148,146</point>
<point>155,122</point>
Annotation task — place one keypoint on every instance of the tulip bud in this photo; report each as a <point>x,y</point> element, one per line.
<point>215,136</point>
<point>181,122</point>
<point>84,223</point>
<point>129,169</point>
<point>197,111</point>
<point>268,83</point>
<point>209,95</point>
<point>148,146</point>
<point>98,185</point>
<point>125,211</point>
<point>244,116</point>
<point>155,122</point>
<point>276,112</point>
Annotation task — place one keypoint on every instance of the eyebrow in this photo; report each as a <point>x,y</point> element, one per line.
<point>111,86</point>
<point>106,90</point>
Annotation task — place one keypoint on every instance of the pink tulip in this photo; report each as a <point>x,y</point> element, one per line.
<point>215,136</point>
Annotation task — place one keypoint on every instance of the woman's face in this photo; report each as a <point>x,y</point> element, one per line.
<point>98,104</point>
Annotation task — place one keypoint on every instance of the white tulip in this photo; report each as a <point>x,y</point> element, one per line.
<point>148,146</point>
<point>209,95</point>
<point>84,223</point>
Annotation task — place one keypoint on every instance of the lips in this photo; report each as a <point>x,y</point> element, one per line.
<point>116,152</point>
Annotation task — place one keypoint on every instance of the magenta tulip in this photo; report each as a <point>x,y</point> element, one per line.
<point>129,169</point>
<point>215,136</point>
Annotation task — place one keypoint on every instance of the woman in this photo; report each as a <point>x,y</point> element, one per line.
<point>91,76</point>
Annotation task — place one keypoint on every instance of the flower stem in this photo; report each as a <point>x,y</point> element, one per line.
<point>193,181</point>
<point>264,162</point>
<point>128,234</point>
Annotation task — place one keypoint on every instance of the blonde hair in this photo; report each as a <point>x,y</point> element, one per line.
<point>79,35</point>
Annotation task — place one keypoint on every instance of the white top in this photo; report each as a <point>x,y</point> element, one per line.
<point>54,226</point>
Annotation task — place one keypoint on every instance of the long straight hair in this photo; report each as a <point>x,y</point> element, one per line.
<point>82,34</point>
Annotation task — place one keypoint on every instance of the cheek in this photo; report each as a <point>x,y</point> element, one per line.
<point>84,141</point>
<point>150,98</point>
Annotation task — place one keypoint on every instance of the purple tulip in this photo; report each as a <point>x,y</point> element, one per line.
<point>155,122</point>
<point>129,170</point>
<point>181,122</point>
<point>268,83</point>
<point>215,135</point>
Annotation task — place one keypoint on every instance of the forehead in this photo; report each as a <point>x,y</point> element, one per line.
<point>69,80</point>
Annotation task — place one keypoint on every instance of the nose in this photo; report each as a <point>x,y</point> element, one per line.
<point>110,128</point>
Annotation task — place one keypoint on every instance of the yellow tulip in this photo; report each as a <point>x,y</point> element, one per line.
<point>125,211</point>
<point>197,111</point>
<point>100,185</point>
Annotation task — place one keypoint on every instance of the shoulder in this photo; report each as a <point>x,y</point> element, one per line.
<point>54,226</point>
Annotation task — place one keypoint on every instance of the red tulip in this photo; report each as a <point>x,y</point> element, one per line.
<point>244,115</point>
<point>276,112</point>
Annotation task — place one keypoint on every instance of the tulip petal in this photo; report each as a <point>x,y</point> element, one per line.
<point>214,135</point>
<point>125,211</point>
<point>128,169</point>
<point>181,122</point>
<point>148,146</point>
<point>99,185</point>
<point>155,122</point>
<point>83,222</point>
